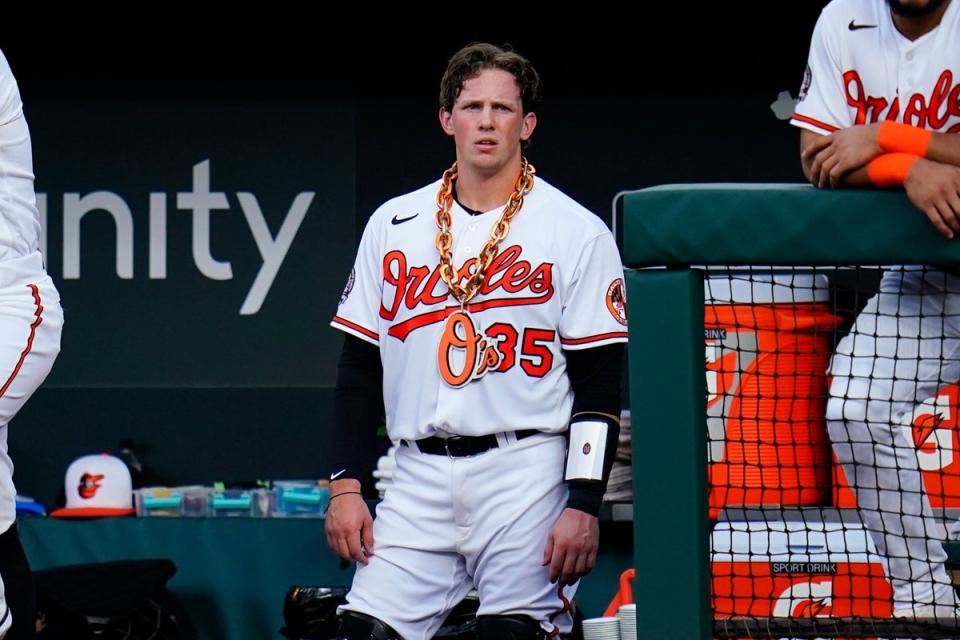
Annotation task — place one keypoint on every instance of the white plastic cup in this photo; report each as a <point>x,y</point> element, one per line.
<point>627,615</point>
<point>601,629</point>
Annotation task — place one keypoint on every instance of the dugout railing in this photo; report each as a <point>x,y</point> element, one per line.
<point>674,227</point>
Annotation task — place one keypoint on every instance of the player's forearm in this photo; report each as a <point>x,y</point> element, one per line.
<point>346,485</point>
<point>595,376</point>
<point>807,138</point>
<point>602,433</point>
<point>945,148</point>
<point>886,171</point>
<point>856,179</point>
<point>895,137</point>
<point>806,165</point>
<point>357,411</point>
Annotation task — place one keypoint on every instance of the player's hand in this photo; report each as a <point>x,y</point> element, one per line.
<point>934,188</point>
<point>841,152</point>
<point>349,526</point>
<point>572,544</point>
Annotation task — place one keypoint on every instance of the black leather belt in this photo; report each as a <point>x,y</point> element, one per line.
<point>463,446</point>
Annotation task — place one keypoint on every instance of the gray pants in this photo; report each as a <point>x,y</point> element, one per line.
<point>904,346</point>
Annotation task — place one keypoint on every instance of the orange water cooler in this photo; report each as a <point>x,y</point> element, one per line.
<point>810,568</point>
<point>768,341</point>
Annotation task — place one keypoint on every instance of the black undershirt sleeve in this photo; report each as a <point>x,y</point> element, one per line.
<point>595,375</point>
<point>357,410</point>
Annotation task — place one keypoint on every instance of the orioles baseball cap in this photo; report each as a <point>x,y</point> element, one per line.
<point>96,486</point>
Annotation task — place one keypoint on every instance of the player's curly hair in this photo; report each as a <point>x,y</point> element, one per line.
<point>477,56</point>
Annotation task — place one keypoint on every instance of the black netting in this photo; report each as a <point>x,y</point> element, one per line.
<point>834,463</point>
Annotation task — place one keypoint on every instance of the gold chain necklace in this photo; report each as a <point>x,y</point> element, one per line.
<point>465,292</point>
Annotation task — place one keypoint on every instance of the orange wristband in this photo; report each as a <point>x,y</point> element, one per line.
<point>895,137</point>
<point>890,169</point>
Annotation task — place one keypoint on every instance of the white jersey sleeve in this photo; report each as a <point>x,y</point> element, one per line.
<point>11,106</point>
<point>821,107</point>
<point>359,306</point>
<point>19,219</point>
<point>594,311</point>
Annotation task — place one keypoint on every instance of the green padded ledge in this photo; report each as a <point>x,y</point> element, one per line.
<point>777,224</point>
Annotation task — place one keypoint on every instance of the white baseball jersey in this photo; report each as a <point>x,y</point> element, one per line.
<point>30,315</point>
<point>862,70</point>
<point>556,284</point>
<point>451,524</point>
<point>19,220</point>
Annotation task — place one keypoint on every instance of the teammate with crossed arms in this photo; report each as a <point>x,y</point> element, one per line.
<point>879,107</point>
<point>484,310</point>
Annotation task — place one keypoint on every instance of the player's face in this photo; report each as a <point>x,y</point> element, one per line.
<point>487,123</point>
<point>914,8</point>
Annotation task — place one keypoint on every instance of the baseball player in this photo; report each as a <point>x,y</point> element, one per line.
<point>879,107</point>
<point>485,315</point>
<point>30,324</point>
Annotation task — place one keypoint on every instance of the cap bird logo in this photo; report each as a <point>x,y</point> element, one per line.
<point>89,483</point>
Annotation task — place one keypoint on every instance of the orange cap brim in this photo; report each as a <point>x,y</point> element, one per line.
<point>91,512</point>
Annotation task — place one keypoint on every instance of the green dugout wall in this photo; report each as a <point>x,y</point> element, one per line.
<point>675,226</point>
<point>232,573</point>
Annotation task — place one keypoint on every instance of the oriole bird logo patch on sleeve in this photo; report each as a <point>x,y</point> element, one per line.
<point>617,301</point>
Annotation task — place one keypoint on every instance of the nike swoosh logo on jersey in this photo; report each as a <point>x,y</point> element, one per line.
<point>853,26</point>
<point>334,476</point>
<point>397,220</point>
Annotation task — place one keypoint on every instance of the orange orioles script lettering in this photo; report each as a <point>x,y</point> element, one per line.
<point>418,285</point>
<point>931,112</point>
<point>460,334</point>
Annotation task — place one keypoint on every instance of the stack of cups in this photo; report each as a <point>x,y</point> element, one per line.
<point>602,629</point>
<point>628,622</point>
